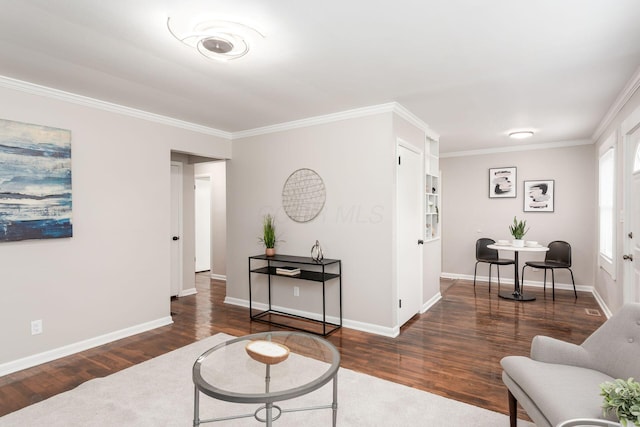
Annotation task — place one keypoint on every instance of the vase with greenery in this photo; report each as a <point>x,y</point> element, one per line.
<point>623,399</point>
<point>269,234</point>
<point>518,230</point>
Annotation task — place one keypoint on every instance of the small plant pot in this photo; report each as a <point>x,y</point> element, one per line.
<point>518,243</point>
<point>270,251</point>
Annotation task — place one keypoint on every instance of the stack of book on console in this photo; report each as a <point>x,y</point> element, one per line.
<point>288,271</point>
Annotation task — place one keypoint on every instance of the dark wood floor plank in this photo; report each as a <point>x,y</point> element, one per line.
<point>453,350</point>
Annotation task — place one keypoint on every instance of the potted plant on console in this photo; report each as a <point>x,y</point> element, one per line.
<point>269,234</point>
<point>518,230</point>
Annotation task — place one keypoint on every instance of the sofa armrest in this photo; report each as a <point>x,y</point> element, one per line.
<point>551,350</point>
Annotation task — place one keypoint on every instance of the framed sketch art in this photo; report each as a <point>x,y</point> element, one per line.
<point>502,182</point>
<point>538,196</point>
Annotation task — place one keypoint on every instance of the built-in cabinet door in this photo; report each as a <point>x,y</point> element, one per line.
<point>410,196</point>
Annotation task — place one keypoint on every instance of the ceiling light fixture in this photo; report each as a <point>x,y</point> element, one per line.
<point>221,40</point>
<point>521,134</point>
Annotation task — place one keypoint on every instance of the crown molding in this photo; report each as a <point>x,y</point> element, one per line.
<point>335,117</point>
<point>629,90</point>
<point>400,110</point>
<point>60,95</point>
<point>546,146</point>
<point>35,89</point>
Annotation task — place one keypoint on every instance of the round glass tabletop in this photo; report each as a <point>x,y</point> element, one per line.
<point>239,370</point>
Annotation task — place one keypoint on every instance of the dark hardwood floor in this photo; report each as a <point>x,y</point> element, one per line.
<point>453,350</point>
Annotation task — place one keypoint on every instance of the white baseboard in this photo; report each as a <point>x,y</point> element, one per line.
<point>185,292</point>
<point>428,304</point>
<point>346,323</point>
<point>48,356</point>
<point>509,281</point>
<point>219,277</point>
<point>602,304</point>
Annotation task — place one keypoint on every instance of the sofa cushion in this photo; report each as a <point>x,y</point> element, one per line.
<point>561,392</point>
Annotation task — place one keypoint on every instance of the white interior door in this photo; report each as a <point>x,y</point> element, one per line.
<point>176,228</point>
<point>203,223</point>
<point>409,193</point>
<point>631,246</point>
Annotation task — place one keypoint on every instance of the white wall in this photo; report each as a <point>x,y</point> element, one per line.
<point>356,160</point>
<point>112,276</point>
<point>468,213</point>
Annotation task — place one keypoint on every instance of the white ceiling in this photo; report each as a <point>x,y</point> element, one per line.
<point>472,70</point>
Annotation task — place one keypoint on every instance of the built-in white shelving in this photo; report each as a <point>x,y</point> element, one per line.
<point>432,190</point>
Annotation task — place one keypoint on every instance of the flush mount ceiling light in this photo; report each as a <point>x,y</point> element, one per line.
<point>521,134</point>
<point>220,40</point>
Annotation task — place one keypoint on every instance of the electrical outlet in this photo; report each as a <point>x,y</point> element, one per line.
<point>296,291</point>
<point>36,327</point>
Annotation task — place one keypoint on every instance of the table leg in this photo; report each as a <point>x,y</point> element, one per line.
<point>267,378</point>
<point>516,295</point>
<point>334,406</point>
<point>516,267</point>
<point>196,408</point>
<point>269,414</point>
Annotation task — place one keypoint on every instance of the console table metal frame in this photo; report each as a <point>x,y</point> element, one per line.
<point>321,276</point>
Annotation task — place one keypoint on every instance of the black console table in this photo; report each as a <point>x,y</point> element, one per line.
<point>311,271</point>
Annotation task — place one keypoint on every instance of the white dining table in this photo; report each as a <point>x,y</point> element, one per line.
<point>517,294</point>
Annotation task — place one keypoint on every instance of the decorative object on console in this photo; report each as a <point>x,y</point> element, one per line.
<point>316,252</point>
<point>623,399</point>
<point>538,196</point>
<point>288,271</point>
<point>502,182</point>
<point>35,182</point>
<point>518,230</point>
<point>303,195</point>
<point>269,234</point>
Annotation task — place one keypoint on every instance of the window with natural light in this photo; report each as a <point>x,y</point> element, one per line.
<point>607,209</point>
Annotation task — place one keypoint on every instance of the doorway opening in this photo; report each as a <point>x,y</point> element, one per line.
<point>198,196</point>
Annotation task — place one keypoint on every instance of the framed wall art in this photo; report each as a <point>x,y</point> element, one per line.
<point>502,182</point>
<point>35,182</point>
<point>539,195</point>
<point>303,195</point>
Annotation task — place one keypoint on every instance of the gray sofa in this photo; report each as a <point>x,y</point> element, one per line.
<point>560,381</point>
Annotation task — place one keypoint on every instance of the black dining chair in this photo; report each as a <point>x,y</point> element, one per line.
<point>489,256</point>
<point>558,256</point>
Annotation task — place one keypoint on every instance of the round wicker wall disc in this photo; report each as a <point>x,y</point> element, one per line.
<point>303,195</point>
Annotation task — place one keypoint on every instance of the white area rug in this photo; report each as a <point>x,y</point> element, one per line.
<point>159,392</point>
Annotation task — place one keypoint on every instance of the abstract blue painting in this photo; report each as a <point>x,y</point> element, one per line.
<point>35,182</point>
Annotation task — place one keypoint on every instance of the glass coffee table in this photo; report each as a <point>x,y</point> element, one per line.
<point>263,369</point>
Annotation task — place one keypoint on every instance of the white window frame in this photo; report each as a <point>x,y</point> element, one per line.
<point>607,200</point>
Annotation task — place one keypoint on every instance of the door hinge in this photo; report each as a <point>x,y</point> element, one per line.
<point>399,303</point>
